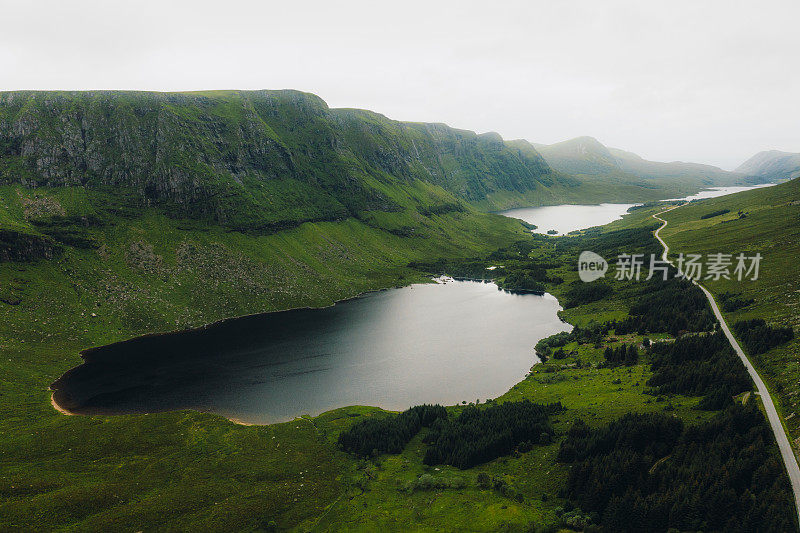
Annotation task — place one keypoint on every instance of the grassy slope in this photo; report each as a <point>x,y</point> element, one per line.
<point>254,160</point>
<point>772,228</point>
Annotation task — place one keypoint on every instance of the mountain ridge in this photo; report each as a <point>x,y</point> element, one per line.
<point>283,156</point>
<point>588,157</point>
<point>264,161</point>
<point>772,164</point>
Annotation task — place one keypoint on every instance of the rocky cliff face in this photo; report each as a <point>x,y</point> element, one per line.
<point>247,158</point>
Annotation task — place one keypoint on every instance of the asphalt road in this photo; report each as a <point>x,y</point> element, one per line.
<point>787,453</point>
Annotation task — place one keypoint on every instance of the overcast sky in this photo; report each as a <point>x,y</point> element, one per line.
<point>705,81</point>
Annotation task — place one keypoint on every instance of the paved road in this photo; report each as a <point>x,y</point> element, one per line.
<point>789,458</point>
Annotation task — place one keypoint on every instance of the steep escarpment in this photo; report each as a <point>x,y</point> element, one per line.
<point>252,159</point>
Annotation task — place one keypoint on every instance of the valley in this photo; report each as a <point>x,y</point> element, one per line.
<point>109,242</point>
<point>435,267</point>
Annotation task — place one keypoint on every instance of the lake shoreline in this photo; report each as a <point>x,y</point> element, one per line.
<point>72,394</point>
<point>86,353</point>
<point>561,220</point>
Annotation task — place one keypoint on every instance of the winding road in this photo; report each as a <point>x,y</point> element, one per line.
<point>787,453</point>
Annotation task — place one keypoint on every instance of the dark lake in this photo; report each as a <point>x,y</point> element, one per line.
<point>427,343</point>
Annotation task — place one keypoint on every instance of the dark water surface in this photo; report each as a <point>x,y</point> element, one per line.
<point>439,343</point>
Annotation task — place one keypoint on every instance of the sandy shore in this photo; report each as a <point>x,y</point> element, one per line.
<point>57,407</point>
<point>67,412</point>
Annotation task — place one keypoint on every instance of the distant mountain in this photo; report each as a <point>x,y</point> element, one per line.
<point>772,165</point>
<point>634,164</point>
<point>587,158</point>
<point>580,156</point>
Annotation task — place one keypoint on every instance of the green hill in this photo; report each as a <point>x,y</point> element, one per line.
<point>765,221</point>
<point>772,165</point>
<point>262,161</point>
<point>584,156</point>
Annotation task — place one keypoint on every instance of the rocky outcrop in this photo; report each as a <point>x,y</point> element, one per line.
<point>21,247</point>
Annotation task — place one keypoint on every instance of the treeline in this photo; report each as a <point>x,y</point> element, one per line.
<point>467,268</point>
<point>583,293</point>
<point>592,334</point>
<point>524,281</point>
<point>713,214</point>
<point>623,355</point>
<point>673,306</point>
<point>699,365</point>
<point>759,337</point>
<point>731,301</point>
<point>520,250</point>
<point>512,268</point>
<point>478,435</point>
<point>390,434</point>
<point>521,273</point>
<point>647,472</point>
<point>611,244</point>
<point>646,205</point>
<point>544,348</point>
<point>648,434</point>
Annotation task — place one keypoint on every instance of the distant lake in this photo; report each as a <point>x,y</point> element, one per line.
<point>434,343</point>
<point>568,217</point>
<point>721,191</point>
